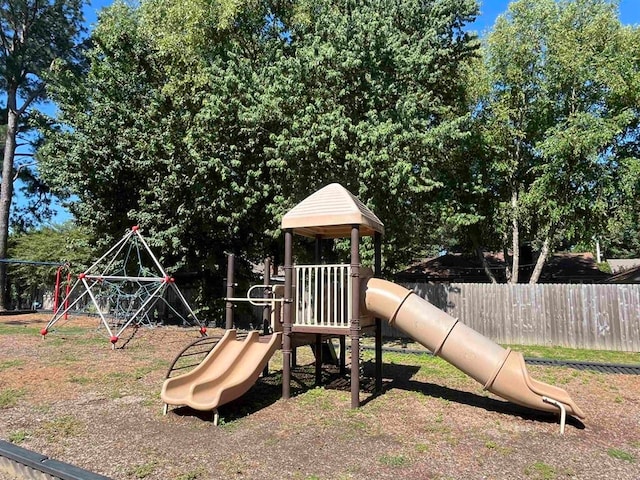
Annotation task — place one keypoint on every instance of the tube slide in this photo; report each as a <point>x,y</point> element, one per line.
<point>501,371</point>
<point>227,372</point>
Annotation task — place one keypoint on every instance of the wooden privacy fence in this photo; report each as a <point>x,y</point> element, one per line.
<point>593,316</point>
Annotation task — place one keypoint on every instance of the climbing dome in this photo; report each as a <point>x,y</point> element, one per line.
<point>124,287</point>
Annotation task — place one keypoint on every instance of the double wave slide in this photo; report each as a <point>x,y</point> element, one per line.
<point>501,371</point>
<point>226,373</point>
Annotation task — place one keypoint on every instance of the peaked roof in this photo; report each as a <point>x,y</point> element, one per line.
<point>458,267</point>
<point>619,265</point>
<point>331,212</point>
<point>631,275</point>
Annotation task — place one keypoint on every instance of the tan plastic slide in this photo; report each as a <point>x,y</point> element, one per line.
<point>501,371</point>
<point>226,373</point>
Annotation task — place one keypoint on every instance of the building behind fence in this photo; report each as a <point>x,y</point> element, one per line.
<point>593,316</point>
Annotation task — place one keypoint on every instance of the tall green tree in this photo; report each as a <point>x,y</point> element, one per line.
<point>560,101</point>
<point>165,130</point>
<point>621,239</point>
<point>371,96</point>
<point>37,38</point>
<point>205,134</point>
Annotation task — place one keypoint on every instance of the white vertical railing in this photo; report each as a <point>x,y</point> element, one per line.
<point>323,294</point>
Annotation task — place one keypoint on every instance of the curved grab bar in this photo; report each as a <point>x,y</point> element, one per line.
<point>257,302</point>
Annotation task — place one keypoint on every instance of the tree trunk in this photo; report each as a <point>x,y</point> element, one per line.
<point>505,255</point>
<point>542,258</point>
<point>6,190</point>
<point>515,237</point>
<point>483,260</point>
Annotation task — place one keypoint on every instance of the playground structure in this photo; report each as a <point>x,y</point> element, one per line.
<point>123,286</point>
<point>327,301</point>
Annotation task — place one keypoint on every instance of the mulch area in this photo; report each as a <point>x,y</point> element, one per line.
<point>73,398</point>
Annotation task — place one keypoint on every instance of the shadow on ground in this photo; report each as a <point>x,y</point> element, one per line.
<point>268,390</point>
<point>400,377</point>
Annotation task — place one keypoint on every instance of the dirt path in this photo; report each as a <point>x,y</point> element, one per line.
<point>74,399</point>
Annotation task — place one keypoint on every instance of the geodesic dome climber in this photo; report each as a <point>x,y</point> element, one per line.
<point>123,287</point>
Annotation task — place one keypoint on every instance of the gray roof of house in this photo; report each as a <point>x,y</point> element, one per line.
<point>621,264</point>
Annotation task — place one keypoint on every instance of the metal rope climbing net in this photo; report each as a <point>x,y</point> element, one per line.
<point>123,287</point>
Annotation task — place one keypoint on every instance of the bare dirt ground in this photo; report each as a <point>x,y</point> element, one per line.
<point>73,398</point>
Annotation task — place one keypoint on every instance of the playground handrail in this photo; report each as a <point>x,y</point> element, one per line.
<point>256,301</point>
<point>323,295</point>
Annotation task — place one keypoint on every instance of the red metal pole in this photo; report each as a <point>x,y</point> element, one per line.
<point>56,292</point>
<point>66,297</point>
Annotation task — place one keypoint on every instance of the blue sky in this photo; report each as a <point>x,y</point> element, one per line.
<point>489,11</point>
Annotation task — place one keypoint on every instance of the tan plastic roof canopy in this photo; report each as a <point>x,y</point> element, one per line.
<point>330,213</point>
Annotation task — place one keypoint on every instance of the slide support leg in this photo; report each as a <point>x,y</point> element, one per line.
<point>563,411</point>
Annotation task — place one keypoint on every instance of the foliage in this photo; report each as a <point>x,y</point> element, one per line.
<point>206,134</point>
<point>185,164</point>
<point>37,41</point>
<point>557,115</point>
<point>63,244</point>
<point>36,205</point>
<point>621,239</point>
<point>371,98</point>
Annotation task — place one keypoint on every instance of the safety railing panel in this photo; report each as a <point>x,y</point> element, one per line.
<point>323,295</point>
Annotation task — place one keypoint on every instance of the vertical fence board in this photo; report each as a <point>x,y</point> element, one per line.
<point>604,317</point>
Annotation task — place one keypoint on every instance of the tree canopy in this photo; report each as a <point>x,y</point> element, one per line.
<point>557,113</point>
<point>38,251</point>
<point>205,135</point>
<point>37,40</point>
<point>204,121</point>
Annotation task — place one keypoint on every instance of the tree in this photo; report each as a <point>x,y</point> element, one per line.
<point>205,134</point>
<point>37,38</point>
<point>621,239</point>
<point>63,244</point>
<point>370,95</point>
<point>162,131</point>
<point>560,102</point>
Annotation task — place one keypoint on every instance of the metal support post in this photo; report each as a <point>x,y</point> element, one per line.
<point>355,316</point>
<point>287,312</point>
<point>266,311</point>
<point>377,269</point>
<point>230,286</point>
